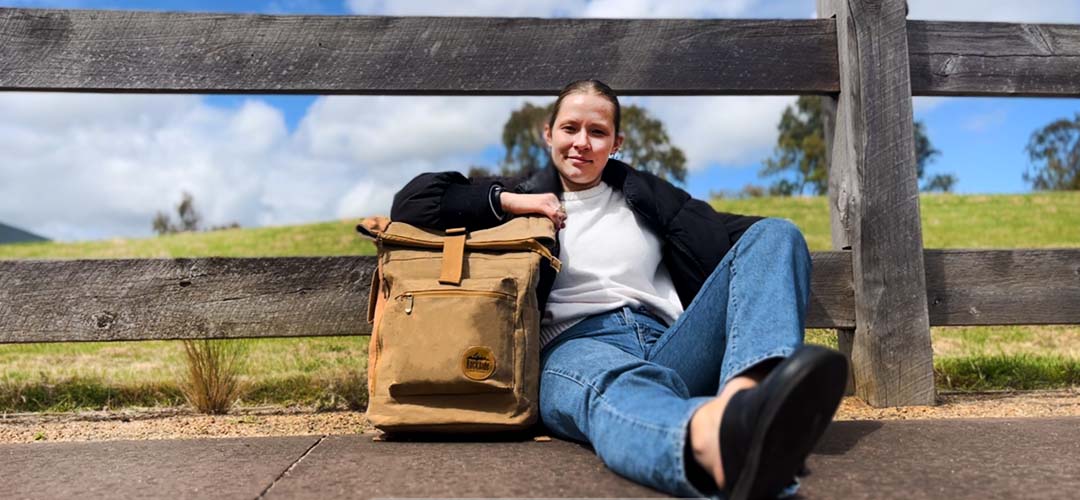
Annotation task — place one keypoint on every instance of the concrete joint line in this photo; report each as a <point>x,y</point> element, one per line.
<point>290,468</point>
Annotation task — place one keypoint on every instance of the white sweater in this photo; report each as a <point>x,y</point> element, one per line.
<point>609,260</point>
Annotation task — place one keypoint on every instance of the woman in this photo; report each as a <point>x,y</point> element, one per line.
<point>672,337</point>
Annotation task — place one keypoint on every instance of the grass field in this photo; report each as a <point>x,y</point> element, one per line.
<point>328,372</point>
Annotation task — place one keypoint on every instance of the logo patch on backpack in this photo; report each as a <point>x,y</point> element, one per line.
<point>478,363</point>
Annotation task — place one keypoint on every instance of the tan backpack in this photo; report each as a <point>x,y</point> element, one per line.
<point>455,343</point>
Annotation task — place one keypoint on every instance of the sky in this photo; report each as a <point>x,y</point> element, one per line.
<point>99,166</point>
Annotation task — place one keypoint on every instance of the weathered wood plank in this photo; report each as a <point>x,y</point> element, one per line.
<point>110,51</point>
<point>89,300</point>
<point>878,200</point>
<point>124,51</point>
<point>831,291</point>
<point>994,59</point>
<point>1003,287</point>
<point>153,299</point>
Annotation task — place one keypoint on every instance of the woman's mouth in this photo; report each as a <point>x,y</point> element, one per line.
<point>578,160</point>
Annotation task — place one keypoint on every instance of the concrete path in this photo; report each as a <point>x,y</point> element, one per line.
<point>953,459</point>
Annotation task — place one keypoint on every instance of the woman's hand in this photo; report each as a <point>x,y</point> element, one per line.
<point>546,204</point>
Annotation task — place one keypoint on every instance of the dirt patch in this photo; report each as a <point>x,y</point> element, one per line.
<point>998,404</point>
<point>177,424</point>
<point>184,424</point>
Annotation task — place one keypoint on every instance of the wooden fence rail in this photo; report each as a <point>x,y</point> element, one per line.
<point>863,55</point>
<point>159,299</point>
<point>123,51</point>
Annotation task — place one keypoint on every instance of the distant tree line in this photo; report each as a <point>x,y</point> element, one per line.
<point>799,162</point>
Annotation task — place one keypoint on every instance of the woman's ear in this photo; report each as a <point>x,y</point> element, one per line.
<point>547,134</point>
<point>618,142</point>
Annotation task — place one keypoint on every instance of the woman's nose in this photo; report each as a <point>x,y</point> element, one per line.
<point>581,140</point>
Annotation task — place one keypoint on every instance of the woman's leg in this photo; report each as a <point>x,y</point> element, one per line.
<point>751,309</point>
<point>748,314</point>
<point>595,387</point>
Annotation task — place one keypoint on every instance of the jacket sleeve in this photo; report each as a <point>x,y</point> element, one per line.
<point>444,200</point>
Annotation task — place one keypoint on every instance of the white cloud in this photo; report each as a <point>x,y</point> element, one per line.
<point>985,121</point>
<point>555,8</point>
<point>1011,11</point>
<point>83,166</point>
<point>361,197</point>
<point>729,131</point>
<point>382,129</point>
<point>923,104</point>
<point>667,8</point>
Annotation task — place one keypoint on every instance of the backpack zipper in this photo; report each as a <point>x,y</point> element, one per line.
<point>409,297</point>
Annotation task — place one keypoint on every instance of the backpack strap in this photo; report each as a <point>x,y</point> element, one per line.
<point>453,257</point>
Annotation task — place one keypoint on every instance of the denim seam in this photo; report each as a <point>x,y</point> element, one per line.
<point>733,310</point>
<point>600,397</point>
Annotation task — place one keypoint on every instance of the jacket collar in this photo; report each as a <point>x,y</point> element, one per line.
<point>616,174</point>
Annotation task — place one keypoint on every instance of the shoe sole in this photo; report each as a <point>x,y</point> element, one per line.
<point>792,422</point>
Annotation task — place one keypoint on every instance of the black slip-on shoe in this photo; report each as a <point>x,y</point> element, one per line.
<point>767,432</point>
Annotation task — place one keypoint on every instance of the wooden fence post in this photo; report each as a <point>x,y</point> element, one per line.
<point>844,336</point>
<point>874,201</point>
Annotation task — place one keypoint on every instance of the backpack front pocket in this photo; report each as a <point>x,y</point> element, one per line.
<point>439,339</point>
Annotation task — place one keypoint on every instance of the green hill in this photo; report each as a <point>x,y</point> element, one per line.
<point>328,372</point>
<point>324,238</point>
<point>949,221</point>
<point>1041,220</point>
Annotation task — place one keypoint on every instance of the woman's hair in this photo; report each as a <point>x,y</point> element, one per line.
<point>584,87</point>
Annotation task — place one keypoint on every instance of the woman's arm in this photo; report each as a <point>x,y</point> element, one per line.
<point>443,200</point>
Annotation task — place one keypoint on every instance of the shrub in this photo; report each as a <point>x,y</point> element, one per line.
<point>352,388</point>
<point>212,382</point>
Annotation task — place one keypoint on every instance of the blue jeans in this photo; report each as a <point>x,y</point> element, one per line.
<point>628,384</point>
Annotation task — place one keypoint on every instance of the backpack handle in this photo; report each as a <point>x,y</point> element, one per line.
<point>453,258</point>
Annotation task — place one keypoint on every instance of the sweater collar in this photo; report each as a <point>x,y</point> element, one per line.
<point>585,194</point>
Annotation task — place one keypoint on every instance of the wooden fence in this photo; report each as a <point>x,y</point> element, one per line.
<point>880,287</point>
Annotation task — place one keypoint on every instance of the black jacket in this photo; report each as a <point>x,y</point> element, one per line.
<point>695,237</point>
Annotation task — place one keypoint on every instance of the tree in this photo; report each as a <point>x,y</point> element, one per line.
<point>800,149</point>
<point>941,182</point>
<point>478,172</point>
<point>188,219</point>
<point>1054,151</point>
<point>646,144</point>
<point>800,155</point>
<point>523,138</point>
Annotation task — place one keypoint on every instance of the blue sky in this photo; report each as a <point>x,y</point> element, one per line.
<point>265,160</point>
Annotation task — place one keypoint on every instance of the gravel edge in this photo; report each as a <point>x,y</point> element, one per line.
<point>180,423</point>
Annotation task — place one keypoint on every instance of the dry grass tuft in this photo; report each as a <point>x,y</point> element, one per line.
<point>212,380</point>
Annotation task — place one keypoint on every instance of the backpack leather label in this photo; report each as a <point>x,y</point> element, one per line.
<point>478,363</point>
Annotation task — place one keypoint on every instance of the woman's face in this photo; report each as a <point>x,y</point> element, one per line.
<point>582,139</point>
